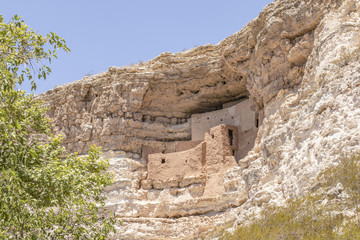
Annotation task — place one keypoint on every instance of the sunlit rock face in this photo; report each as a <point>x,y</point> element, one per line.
<point>298,63</point>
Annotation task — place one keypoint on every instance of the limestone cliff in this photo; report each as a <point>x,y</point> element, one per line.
<point>297,62</point>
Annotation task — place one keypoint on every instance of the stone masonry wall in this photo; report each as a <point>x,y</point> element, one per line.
<point>241,114</point>
<point>204,164</point>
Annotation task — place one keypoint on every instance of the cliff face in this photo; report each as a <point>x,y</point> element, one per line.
<point>297,62</point>
<point>125,108</point>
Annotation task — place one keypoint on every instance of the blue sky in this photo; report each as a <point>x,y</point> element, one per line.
<point>108,33</point>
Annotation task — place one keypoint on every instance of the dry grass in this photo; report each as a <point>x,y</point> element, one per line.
<point>320,214</point>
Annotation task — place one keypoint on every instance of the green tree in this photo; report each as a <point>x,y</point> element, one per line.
<point>43,194</point>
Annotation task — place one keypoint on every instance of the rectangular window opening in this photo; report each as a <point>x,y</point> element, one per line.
<point>231,137</point>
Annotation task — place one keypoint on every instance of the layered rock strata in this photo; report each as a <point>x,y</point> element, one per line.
<point>128,107</point>
<point>298,63</point>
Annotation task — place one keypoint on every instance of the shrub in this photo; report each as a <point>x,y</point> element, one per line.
<point>316,215</point>
<point>43,194</point>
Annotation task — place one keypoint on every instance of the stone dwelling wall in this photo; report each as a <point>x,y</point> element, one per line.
<point>208,159</point>
<point>170,169</point>
<point>242,115</point>
<point>218,148</point>
<point>239,113</point>
<point>168,147</point>
<point>219,158</point>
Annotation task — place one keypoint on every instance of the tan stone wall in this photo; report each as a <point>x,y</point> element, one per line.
<point>206,162</point>
<point>246,143</point>
<point>185,145</point>
<point>218,148</point>
<point>241,115</point>
<point>218,159</point>
<point>175,167</point>
<point>168,147</point>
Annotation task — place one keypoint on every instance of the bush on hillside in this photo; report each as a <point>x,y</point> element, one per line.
<point>330,212</point>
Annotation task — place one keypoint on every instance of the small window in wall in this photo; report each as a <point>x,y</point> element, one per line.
<point>231,137</point>
<point>257,120</point>
<point>162,160</point>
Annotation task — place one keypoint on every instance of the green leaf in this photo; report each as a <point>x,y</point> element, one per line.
<point>44,194</point>
<point>17,125</point>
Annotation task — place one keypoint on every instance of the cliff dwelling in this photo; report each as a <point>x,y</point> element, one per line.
<point>218,140</point>
<point>240,114</point>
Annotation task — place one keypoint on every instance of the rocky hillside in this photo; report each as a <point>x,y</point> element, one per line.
<point>298,63</point>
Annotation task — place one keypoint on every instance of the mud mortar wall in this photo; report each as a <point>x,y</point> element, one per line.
<point>172,168</point>
<point>241,115</point>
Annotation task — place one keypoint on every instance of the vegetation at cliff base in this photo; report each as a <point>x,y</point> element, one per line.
<point>44,194</point>
<point>330,211</point>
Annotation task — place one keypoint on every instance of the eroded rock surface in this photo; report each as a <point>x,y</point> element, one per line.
<point>127,107</point>
<point>298,63</point>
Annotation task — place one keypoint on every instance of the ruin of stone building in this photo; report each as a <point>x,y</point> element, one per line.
<point>240,114</point>
<point>214,155</point>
